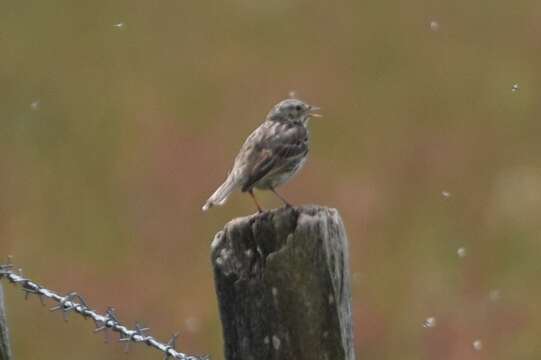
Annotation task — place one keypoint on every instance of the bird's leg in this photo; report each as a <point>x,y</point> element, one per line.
<point>286,203</point>
<point>251,192</point>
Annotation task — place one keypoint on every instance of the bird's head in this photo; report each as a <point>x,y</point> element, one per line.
<point>293,110</point>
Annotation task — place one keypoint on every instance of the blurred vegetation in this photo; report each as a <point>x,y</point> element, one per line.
<point>118,119</point>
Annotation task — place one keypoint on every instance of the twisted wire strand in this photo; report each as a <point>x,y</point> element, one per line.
<point>73,302</point>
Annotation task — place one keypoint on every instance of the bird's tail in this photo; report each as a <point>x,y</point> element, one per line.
<point>222,193</point>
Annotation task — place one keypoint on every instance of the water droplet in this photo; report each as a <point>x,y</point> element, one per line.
<point>461,252</point>
<point>35,105</point>
<point>292,94</point>
<point>120,25</point>
<point>192,324</point>
<point>495,295</point>
<point>477,345</point>
<point>446,194</point>
<point>356,277</point>
<point>434,25</point>
<point>276,342</point>
<point>514,88</point>
<point>429,322</point>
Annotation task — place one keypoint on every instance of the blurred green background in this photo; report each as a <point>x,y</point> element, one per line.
<point>119,118</point>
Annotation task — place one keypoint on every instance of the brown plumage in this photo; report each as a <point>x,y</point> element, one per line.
<point>271,155</point>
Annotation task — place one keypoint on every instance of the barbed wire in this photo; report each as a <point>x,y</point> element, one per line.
<point>109,321</point>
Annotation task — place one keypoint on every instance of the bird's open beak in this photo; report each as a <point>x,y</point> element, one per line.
<point>315,114</point>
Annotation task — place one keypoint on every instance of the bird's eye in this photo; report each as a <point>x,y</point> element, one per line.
<point>298,108</point>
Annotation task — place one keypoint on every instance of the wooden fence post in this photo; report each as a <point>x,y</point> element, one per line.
<point>5,350</point>
<point>283,285</point>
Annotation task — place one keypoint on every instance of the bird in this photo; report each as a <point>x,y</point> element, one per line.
<point>271,155</point>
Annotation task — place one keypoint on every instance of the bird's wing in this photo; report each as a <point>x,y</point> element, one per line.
<point>286,143</point>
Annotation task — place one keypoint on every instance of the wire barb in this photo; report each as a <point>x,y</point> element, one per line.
<point>172,344</point>
<point>66,304</point>
<point>138,331</point>
<point>73,302</point>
